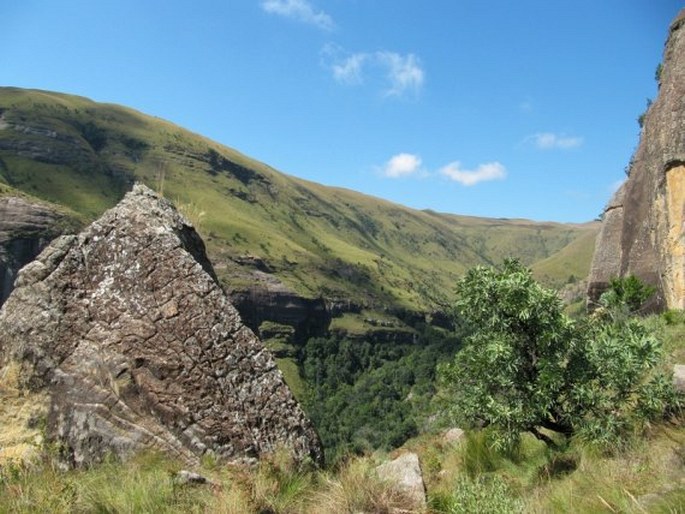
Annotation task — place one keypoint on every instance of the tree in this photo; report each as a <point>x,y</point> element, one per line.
<point>527,367</point>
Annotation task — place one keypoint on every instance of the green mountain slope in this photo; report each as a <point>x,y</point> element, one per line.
<point>258,223</point>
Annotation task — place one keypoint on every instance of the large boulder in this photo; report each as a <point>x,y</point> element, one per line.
<point>643,232</point>
<point>126,333</point>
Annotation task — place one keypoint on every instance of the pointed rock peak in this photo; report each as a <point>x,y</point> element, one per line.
<point>126,330</point>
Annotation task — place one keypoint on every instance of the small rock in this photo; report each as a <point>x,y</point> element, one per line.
<point>405,473</point>
<point>185,477</point>
<point>679,377</point>
<point>453,435</point>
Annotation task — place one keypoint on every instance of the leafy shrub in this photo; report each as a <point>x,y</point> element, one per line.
<point>526,366</point>
<point>626,294</point>
<point>483,494</point>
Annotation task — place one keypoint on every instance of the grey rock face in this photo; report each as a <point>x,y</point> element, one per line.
<point>138,347</point>
<point>643,232</point>
<point>25,229</point>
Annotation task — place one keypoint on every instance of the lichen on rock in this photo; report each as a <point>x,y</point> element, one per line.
<point>128,332</point>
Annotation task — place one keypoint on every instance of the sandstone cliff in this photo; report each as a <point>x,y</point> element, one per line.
<point>643,232</point>
<point>25,229</point>
<point>127,341</point>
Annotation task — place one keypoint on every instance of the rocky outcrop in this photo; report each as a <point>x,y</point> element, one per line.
<point>25,229</point>
<point>643,232</point>
<point>127,333</point>
<point>270,300</point>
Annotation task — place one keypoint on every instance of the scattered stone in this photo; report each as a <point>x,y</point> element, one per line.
<point>127,332</point>
<point>405,473</point>
<point>679,377</point>
<point>185,477</point>
<point>453,435</point>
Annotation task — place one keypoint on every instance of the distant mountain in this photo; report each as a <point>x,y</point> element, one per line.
<point>268,233</point>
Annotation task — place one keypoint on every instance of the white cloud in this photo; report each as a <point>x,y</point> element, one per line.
<point>300,10</point>
<point>402,165</point>
<point>548,141</point>
<point>349,70</point>
<point>483,173</point>
<point>403,71</point>
<point>403,74</point>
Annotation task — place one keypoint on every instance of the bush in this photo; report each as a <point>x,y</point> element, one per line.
<point>527,367</point>
<point>482,494</point>
<point>626,294</point>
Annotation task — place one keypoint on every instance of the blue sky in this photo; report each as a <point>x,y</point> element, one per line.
<point>490,108</point>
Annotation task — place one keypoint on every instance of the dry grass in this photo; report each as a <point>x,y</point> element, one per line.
<point>628,482</point>
<point>21,417</point>
<point>356,488</point>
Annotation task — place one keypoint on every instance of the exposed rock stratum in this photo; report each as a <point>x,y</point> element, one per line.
<point>127,341</point>
<point>25,229</point>
<point>643,232</point>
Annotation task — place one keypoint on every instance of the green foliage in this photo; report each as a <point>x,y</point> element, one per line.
<point>658,72</point>
<point>482,494</point>
<point>626,294</point>
<point>674,317</point>
<point>526,366</point>
<point>642,117</point>
<point>365,396</point>
<point>94,135</point>
<point>617,382</point>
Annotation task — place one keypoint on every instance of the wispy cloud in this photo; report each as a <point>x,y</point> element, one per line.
<point>349,70</point>
<point>483,173</point>
<point>300,10</point>
<point>549,141</point>
<point>402,165</point>
<point>403,74</point>
<point>403,71</point>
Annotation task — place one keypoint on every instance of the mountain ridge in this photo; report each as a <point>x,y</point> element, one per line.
<point>318,241</point>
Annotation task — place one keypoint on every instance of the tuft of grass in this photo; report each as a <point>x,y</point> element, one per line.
<point>22,416</point>
<point>279,485</point>
<point>291,375</point>
<point>356,488</point>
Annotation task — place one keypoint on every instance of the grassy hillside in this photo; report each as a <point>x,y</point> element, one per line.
<point>645,475</point>
<point>319,241</point>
